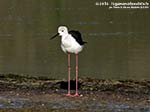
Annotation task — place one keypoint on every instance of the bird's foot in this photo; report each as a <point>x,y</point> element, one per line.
<point>68,95</point>
<point>76,95</point>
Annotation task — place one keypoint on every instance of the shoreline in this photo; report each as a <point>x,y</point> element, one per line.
<point>45,92</point>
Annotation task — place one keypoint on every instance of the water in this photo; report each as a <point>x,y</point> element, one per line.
<point>118,39</point>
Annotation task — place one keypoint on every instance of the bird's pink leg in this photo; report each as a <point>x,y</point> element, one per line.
<point>69,67</point>
<point>76,94</point>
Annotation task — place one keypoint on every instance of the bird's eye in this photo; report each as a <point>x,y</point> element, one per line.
<point>62,30</point>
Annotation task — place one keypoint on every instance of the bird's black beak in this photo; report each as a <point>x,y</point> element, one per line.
<point>54,36</point>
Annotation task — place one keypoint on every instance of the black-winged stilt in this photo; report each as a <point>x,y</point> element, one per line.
<point>71,42</point>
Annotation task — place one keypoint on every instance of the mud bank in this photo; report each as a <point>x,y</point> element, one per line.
<point>19,93</point>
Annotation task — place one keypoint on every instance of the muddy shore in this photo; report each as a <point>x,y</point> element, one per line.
<point>21,93</point>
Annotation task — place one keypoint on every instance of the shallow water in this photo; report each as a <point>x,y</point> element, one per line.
<point>118,39</point>
<point>68,104</point>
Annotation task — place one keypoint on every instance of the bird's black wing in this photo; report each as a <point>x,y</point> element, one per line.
<point>77,36</point>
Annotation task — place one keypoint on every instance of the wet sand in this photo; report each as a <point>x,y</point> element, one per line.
<point>41,94</point>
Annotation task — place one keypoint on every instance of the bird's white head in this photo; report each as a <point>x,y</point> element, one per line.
<point>62,30</point>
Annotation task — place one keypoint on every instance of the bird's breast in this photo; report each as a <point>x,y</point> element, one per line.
<point>66,42</point>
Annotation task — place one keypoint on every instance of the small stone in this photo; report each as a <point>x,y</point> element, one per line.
<point>17,94</point>
<point>81,95</point>
<point>9,101</point>
<point>43,104</point>
<point>94,99</point>
<point>128,99</point>
<point>118,96</point>
<point>148,100</point>
<point>28,94</point>
<point>91,89</point>
<point>11,92</point>
<point>91,93</point>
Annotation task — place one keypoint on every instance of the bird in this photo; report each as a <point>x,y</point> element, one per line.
<point>71,42</point>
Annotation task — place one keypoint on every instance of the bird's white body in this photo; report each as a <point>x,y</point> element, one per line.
<point>69,44</point>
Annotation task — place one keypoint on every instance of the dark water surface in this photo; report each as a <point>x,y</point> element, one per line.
<point>118,39</point>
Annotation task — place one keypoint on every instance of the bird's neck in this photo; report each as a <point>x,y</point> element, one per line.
<point>64,36</point>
